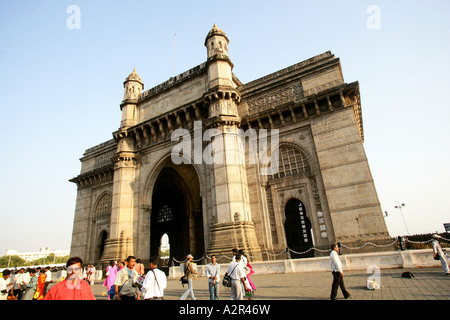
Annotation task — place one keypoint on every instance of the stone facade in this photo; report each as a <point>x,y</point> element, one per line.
<point>130,191</point>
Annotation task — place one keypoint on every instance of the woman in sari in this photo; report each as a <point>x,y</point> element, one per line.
<point>39,294</point>
<point>111,272</point>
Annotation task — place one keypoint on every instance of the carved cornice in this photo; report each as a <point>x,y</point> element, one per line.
<point>219,93</point>
<point>124,159</point>
<point>159,129</point>
<point>94,177</point>
<point>275,98</point>
<point>220,57</point>
<point>277,110</point>
<point>128,101</point>
<point>222,120</point>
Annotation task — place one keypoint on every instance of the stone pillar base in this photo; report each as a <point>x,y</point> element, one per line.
<point>239,235</point>
<point>117,249</point>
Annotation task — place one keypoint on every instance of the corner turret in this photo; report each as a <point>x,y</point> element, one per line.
<point>133,87</point>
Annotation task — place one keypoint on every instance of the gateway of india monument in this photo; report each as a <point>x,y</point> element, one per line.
<point>131,192</point>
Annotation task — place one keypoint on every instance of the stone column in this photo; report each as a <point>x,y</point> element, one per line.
<point>233,226</point>
<point>119,245</point>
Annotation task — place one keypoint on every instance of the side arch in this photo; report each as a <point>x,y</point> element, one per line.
<point>101,223</point>
<point>298,229</point>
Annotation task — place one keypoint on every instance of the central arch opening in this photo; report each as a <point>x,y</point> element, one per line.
<point>177,213</point>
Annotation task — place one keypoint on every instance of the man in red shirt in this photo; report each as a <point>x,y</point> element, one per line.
<point>73,287</point>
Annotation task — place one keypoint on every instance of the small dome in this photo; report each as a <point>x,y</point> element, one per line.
<point>215,31</point>
<point>134,77</point>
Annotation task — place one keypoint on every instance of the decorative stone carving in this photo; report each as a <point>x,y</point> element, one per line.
<point>279,97</point>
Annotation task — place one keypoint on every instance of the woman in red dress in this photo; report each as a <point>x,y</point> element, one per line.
<point>39,294</point>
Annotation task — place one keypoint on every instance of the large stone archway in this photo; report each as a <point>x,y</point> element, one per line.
<point>177,211</point>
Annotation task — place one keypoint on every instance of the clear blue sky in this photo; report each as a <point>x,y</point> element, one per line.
<point>60,91</point>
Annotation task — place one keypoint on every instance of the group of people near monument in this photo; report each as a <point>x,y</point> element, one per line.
<point>25,283</point>
<point>33,283</point>
<point>127,280</point>
<point>129,283</point>
<point>239,271</point>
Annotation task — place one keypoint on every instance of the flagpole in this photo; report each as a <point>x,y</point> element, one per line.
<point>175,55</point>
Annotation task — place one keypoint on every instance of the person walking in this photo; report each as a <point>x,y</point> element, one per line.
<point>338,275</point>
<point>155,281</point>
<point>189,272</point>
<point>111,273</point>
<point>248,271</point>
<point>237,274</point>
<point>439,254</point>
<point>72,287</point>
<point>124,282</point>
<point>212,271</point>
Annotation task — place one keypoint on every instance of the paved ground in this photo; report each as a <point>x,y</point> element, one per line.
<point>428,284</point>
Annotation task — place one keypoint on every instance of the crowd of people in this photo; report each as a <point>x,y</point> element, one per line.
<point>32,283</point>
<point>127,280</point>
<point>25,283</point>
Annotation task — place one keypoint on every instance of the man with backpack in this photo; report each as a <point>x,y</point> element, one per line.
<point>125,282</point>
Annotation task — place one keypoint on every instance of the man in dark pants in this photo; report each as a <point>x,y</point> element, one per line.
<point>338,275</point>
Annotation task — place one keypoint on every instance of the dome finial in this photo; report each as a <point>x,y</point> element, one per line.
<point>134,76</point>
<point>215,31</point>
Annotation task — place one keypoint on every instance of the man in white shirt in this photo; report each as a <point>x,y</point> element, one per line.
<point>212,271</point>
<point>439,253</point>
<point>155,282</point>
<point>5,285</point>
<point>237,274</point>
<point>338,275</point>
<point>18,282</point>
<point>26,277</point>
